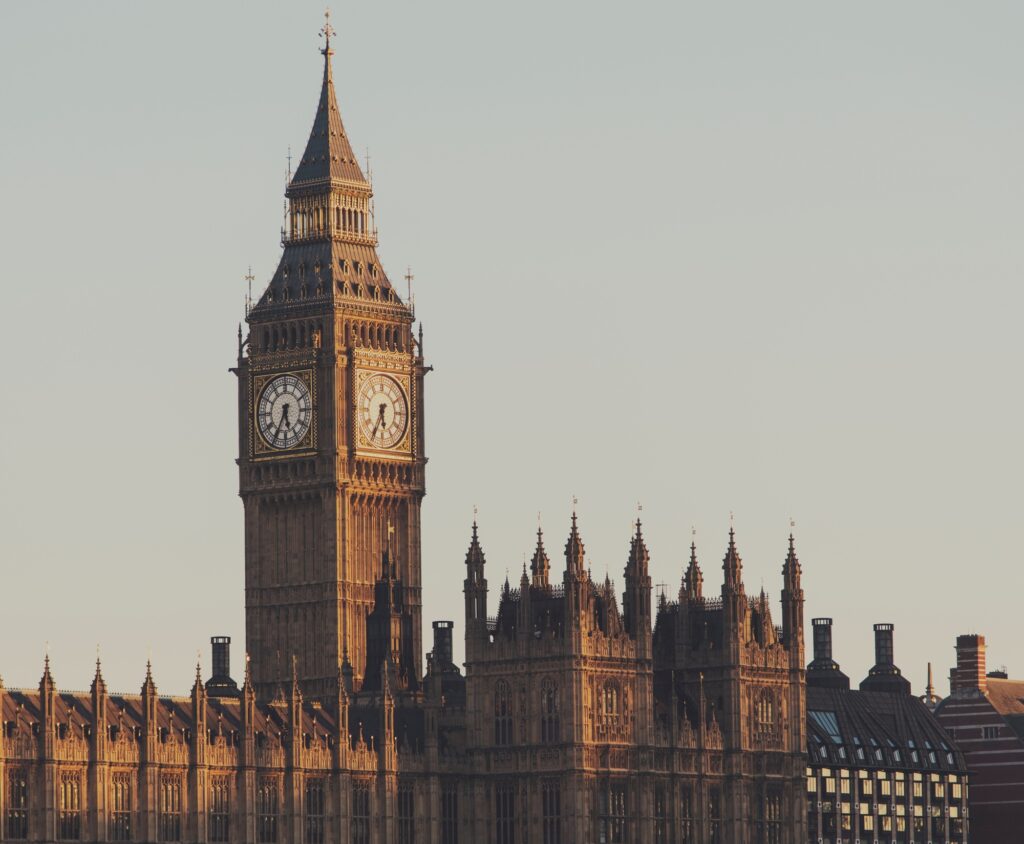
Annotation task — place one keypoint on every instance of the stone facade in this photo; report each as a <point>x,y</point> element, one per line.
<point>576,720</point>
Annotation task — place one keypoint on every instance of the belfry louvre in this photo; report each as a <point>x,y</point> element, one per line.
<point>583,715</point>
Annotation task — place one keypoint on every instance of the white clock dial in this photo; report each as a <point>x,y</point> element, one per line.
<point>382,410</point>
<point>285,411</point>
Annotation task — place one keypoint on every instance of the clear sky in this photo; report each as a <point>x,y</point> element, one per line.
<point>754,257</point>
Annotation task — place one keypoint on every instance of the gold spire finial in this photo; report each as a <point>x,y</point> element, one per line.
<point>327,31</point>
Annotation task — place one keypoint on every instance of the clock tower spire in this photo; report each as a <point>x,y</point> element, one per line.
<point>330,398</point>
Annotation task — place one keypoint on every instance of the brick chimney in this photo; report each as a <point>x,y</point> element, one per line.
<point>969,675</point>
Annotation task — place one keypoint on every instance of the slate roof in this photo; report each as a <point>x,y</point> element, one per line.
<point>1007,698</point>
<point>328,154</point>
<point>877,730</point>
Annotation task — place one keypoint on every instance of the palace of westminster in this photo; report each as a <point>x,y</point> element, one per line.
<point>582,715</point>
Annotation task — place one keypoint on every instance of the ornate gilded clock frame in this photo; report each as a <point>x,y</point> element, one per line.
<point>260,450</point>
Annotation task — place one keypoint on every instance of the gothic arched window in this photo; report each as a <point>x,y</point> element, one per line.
<point>610,702</point>
<point>502,714</point>
<point>764,710</point>
<point>549,721</point>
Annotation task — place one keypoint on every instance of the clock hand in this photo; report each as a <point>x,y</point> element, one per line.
<point>380,419</point>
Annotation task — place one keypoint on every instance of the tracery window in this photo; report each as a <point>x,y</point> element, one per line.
<point>660,816</point>
<point>406,815</point>
<point>610,701</point>
<point>502,714</point>
<point>220,809</point>
<point>17,803</point>
<point>70,819</point>
<point>715,816</point>
<point>449,813</point>
<point>121,806</point>
<point>686,816</point>
<point>549,720</point>
<point>169,808</point>
<point>266,811</point>
<point>772,814</point>
<point>551,812</point>
<point>612,813</point>
<point>315,803</point>
<point>505,814</point>
<point>360,813</point>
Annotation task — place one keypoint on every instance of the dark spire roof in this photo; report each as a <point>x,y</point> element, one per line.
<point>475,554</point>
<point>328,153</point>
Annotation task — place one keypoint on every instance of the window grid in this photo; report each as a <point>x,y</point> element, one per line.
<point>449,814</point>
<point>612,820</point>
<point>505,813</point>
<point>551,812</point>
<point>266,811</point>
<point>70,821</point>
<point>502,714</point>
<point>315,804</point>
<point>220,810</point>
<point>169,815</point>
<point>406,815</point>
<point>121,808</point>
<point>17,804</point>
<point>360,813</point>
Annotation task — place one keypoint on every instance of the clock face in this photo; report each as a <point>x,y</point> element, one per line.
<point>382,409</point>
<point>284,411</point>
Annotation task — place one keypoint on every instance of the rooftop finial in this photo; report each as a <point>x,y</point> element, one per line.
<point>326,32</point>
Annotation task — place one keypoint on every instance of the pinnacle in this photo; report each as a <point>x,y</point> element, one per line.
<point>575,553</point>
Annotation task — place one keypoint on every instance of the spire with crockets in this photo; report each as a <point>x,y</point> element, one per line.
<point>329,236</point>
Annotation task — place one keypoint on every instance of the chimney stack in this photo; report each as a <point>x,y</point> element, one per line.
<point>220,683</point>
<point>883,645</point>
<point>442,652</point>
<point>824,671</point>
<point>884,675</point>
<point>969,675</point>
<point>822,639</point>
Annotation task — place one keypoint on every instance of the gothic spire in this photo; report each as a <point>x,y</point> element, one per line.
<point>693,579</point>
<point>639,558</point>
<point>791,568</point>
<point>732,565</point>
<point>475,554</point>
<point>328,155</point>
<point>575,553</point>
<point>540,565</point>
<point>98,684</point>
<point>47,678</point>
<point>148,686</point>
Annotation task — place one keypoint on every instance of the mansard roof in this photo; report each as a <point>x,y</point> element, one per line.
<point>876,730</point>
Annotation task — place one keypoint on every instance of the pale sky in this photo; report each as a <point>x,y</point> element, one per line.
<point>760,258</point>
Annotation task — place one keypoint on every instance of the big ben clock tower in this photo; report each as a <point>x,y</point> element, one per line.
<point>330,416</point>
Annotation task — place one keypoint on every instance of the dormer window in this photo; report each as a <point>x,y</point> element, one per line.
<point>358,267</point>
<point>373,270</point>
<point>343,265</point>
